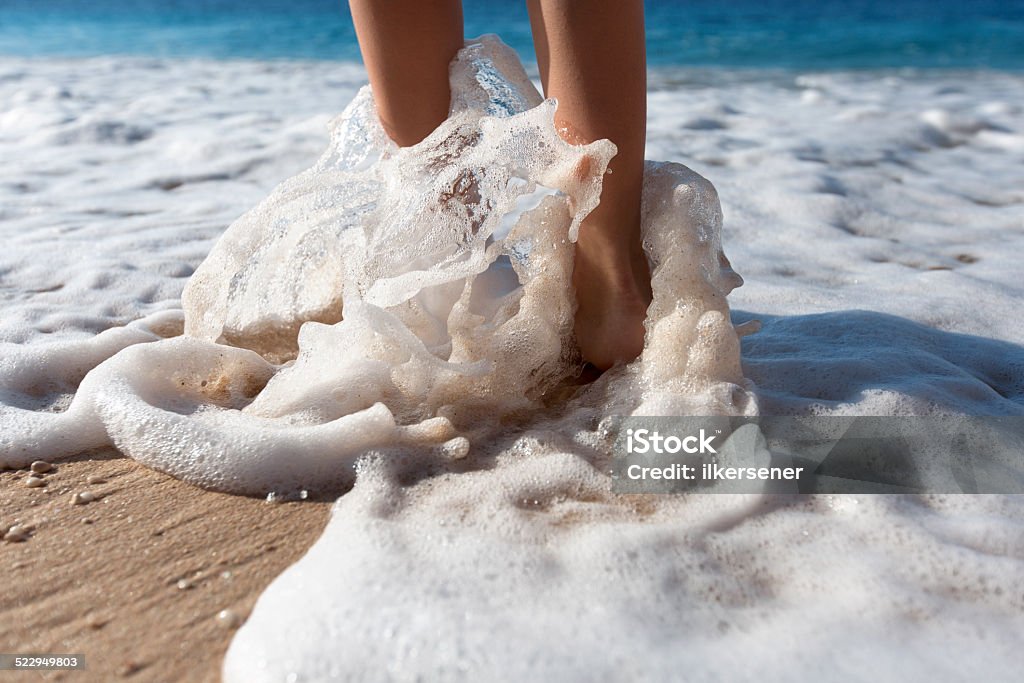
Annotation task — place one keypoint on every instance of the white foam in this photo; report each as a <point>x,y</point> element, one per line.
<point>441,331</point>
<point>44,415</point>
<point>468,549</point>
<point>532,570</point>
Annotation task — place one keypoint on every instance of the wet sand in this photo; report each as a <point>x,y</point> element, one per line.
<point>136,579</point>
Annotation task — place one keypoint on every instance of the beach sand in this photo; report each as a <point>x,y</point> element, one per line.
<point>102,579</point>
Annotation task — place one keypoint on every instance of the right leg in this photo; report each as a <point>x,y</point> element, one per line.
<point>407,46</point>
<point>592,58</point>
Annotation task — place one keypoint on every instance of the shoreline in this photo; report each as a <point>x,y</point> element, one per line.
<point>702,74</point>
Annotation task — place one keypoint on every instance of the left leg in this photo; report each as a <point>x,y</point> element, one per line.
<point>407,46</point>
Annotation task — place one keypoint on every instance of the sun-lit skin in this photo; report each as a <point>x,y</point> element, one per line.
<point>592,59</point>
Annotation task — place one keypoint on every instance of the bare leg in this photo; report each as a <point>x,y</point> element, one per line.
<point>407,46</point>
<point>592,59</point>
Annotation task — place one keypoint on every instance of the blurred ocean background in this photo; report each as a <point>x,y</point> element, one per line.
<point>786,34</point>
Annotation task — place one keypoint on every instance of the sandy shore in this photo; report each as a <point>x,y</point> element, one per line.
<point>135,580</point>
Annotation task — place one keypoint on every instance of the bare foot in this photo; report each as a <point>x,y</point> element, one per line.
<point>613,290</point>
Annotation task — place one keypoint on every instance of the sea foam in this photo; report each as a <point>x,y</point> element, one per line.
<point>496,550</point>
<point>414,300</point>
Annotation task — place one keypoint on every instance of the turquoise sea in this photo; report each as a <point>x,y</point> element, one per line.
<point>788,34</point>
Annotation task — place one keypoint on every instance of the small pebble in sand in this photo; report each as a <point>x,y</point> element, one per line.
<point>86,520</point>
<point>272,497</point>
<point>34,482</point>
<point>226,576</point>
<point>95,621</point>
<point>16,534</point>
<point>83,497</point>
<point>129,668</point>
<point>41,467</point>
<point>95,479</point>
<point>185,584</point>
<point>228,618</point>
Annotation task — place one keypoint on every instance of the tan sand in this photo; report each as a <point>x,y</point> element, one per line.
<point>102,579</point>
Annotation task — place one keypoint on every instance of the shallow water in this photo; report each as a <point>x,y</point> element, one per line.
<point>891,193</point>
